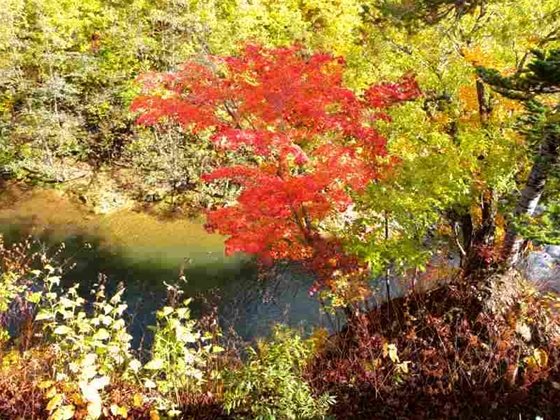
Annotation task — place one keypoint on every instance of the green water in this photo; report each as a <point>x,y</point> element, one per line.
<point>142,251</point>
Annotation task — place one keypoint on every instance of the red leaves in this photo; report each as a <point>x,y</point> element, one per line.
<point>312,134</point>
<point>387,94</point>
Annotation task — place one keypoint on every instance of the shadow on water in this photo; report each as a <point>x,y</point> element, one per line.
<point>142,252</point>
<point>88,262</point>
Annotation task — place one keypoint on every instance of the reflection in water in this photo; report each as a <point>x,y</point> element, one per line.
<point>142,252</point>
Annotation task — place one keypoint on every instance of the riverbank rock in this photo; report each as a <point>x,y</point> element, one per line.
<point>110,201</point>
<point>6,173</point>
<point>543,268</point>
<point>153,197</point>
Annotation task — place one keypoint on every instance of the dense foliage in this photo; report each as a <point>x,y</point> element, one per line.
<point>311,137</point>
<point>410,142</point>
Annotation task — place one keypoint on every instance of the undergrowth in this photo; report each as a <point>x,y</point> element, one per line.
<point>65,356</point>
<point>464,350</point>
<point>459,351</point>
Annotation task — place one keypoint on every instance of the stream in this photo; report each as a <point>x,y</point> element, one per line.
<point>142,251</point>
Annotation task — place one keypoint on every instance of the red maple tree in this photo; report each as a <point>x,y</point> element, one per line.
<point>314,139</point>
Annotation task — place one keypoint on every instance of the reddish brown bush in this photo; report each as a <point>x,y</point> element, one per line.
<point>467,355</point>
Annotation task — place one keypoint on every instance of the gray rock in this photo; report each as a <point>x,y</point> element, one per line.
<point>6,173</point>
<point>542,269</point>
<point>153,197</point>
<point>553,251</point>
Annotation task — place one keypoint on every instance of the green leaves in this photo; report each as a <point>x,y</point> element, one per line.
<point>101,334</point>
<point>270,384</point>
<point>89,347</point>
<point>155,364</point>
<point>180,358</point>
<point>62,330</point>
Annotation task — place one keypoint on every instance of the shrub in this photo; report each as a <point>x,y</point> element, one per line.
<point>270,385</point>
<point>465,355</point>
<point>180,356</point>
<point>16,273</point>
<point>82,364</point>
<point>91,349</point>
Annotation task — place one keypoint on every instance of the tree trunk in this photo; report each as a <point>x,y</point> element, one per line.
<point>467,231</point>
<point>482,237</point>
<point>547,157</point>
<point>475,240</point>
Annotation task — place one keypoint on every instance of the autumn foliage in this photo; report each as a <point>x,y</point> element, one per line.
<point>313,141</point>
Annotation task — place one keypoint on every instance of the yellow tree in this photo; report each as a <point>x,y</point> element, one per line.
<point>462,157</point>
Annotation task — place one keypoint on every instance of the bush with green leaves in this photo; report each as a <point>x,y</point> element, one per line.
<point>93,350</point>
<point>87,344</point>
<point>270,385</point>
<point>181,355</point>
<point>91,347</point>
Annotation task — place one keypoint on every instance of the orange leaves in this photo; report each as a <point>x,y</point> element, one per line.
<point>469,102</point>
<point>478,57</point>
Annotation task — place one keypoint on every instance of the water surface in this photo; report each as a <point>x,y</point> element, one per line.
<point>142,251</point>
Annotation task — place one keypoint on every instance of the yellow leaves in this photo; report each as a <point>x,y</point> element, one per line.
<point>64,412</point>
<point>441,118</point>
<point>56,406</point>
<point>319,338</point>
<point>137,400</point>
<point>78,399</point>
<point>506,106</point>
<point>403,367</point>
<point>55,401</point>
<point>45,385</point>
<point>500,229</point>
<point>11,358</point>
<point>469,101</point>
<point>344,290</point>
<point>444,229</point>
<point>217,349</point>
<point>541,357</point>
<point>478,57</point>
<point>86,403</point>
<point>475,211</point>
<point>538,359</point>
<point>119,411</point>
<point>51,392</point>
<point>502,107</point>
<point>390,350</point>
<point>154,415</point>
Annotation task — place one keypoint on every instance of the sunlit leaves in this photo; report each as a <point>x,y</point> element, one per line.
<point>313,138</point>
